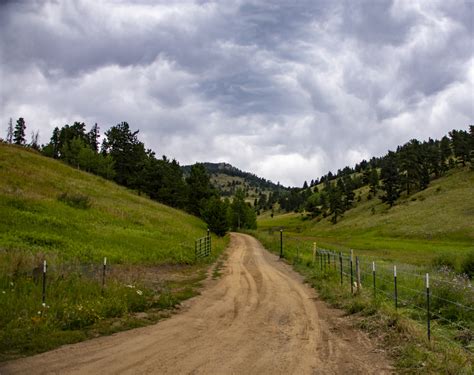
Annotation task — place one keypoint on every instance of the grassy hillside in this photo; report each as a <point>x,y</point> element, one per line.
<point>437,220</point>
<point>118,224</point>
<point>431,232</point>
<point>71,219</point>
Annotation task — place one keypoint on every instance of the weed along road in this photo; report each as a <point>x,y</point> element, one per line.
<point>256,318</point>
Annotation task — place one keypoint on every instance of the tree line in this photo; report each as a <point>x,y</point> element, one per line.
<point>123,158</point>
<point>399,173</point>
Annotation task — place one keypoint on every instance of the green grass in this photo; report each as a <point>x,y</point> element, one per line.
<point>422,232</point>
<point>402,331</point>
<point>119,224</point>
<point>436,221</point>
<point>72,219</point>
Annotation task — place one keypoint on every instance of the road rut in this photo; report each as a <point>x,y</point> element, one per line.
<point>257,318</point>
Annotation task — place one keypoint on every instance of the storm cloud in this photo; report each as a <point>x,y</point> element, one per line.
<point>287,90</point>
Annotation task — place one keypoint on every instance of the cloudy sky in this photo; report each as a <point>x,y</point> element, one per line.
<point>285,89</point>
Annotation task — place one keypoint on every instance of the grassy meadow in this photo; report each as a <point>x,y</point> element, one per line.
<point>72,219</point>
<point>429,224</point>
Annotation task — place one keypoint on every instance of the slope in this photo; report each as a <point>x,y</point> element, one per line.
<point>39,200</point>
<point>432,222</point>
<point>72,220</point>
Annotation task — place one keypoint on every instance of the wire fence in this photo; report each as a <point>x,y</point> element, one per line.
<point>445,306</point>
<point>440,300</point>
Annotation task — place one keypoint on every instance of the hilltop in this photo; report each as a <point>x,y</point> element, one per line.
<point>227,179</point>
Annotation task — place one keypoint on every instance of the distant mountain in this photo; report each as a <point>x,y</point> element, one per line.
<point>227,179</point>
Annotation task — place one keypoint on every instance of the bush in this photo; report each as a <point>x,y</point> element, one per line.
<point>75,200</point>
<point>467,266</point>
<point>444,260</point>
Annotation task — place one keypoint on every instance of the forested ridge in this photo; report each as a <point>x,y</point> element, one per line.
<point>122,157</point>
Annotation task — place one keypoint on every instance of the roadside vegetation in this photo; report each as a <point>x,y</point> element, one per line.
<point>400,331</point>
<point>73,219</point>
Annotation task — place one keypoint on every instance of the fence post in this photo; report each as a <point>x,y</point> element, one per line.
<point>395,286</point>
<point>281,243</point>
<point>340,264</point>
<point>103,273</point>
<point>44,281</point>
<point>428,316</point>
<point>358,273</point>
<point>352,273</point>
<point>334,261</point>
<point>314,253</point>
<point>373,277</point>
<point>329,260</point>
<point>208,242</point>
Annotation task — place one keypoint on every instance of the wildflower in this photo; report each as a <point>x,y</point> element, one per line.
<point>3,292</point>
<point>130,286</point>
<point>43,304</point>
<point>39,312</point>
<point>139,292</point>
<point>11,283</point>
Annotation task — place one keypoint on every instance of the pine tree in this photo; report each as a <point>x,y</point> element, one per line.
<point>93,138</point>
<point>215,215</point>
<point>391,179</point>
<point>461,147</point>
<point>336,204</point>
<point>373,180</point>
<point>445,153</point>
<point>199,188</point>
<point>19,133</point>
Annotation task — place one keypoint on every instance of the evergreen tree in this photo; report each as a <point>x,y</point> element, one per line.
<point>347,187</point>
<point>93,138</point>
<point>215,215</point>
<point>373,181</point>
<point>410,164</point>
<point>445,153</point>
<point>19,132</point>
<point>391,179</point>
<point>128,153</point>
<point>336,204</point>
<point>242,215</point>
<point>471,137</point>
<point>461,145</point>
<point>199,188</point>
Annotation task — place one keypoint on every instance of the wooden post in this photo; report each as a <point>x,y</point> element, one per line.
<point>352,272</point>
<point>358,273</point>
<point>314,253</point>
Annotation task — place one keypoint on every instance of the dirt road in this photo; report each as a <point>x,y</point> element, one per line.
<point>258,318</point>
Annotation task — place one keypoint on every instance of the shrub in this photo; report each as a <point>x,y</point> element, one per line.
<point>444,260</point>
<point>75,200</point>
<point>467,266</point>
